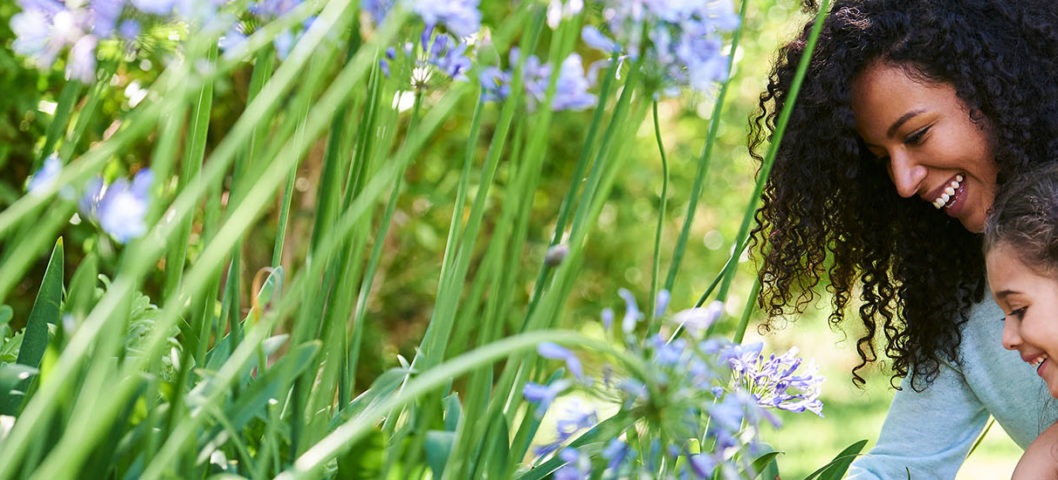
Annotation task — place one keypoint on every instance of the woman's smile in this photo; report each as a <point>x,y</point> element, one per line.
<point>932,147</point>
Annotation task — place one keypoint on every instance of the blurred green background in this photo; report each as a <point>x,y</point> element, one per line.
<point>621,258</point>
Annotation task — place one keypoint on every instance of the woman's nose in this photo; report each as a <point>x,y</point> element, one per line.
<point>1011,337</point>
<point>906,173</point>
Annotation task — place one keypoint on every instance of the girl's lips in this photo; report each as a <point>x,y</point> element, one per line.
<point>1044,364</point>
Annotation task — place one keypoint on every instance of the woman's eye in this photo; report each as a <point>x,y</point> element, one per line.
<point>1018,313</point>
<point>917,136</point>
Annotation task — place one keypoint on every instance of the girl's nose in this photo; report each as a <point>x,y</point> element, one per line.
<point>1011,337</point>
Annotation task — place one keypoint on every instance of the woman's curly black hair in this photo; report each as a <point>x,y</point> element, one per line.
<point>830,213</point>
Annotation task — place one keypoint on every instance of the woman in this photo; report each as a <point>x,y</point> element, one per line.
<point>911,114</point>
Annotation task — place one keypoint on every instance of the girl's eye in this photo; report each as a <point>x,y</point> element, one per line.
<point>1018,313</point>
<point>917,136</point>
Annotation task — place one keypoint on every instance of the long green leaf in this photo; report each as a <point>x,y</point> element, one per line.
<point>837,467</point>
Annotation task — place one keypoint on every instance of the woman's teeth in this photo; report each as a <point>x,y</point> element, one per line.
<point>949,193</point>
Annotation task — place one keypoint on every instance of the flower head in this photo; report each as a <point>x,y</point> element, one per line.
<point>46,176</point>
<point>543,395</point>
<point>121,208</point>
<point>683,47</point>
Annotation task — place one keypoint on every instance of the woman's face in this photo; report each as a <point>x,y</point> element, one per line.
<point>931,147</point>
<point>1029,300</point>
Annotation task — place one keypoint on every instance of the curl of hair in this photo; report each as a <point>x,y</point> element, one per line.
<point>1025,217</point>
<point>831,215</point>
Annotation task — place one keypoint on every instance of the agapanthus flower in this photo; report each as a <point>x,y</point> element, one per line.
<point>154,7</point>
<point>46,176</point>
<point>577,466</point>
<point>82,62</point>
<point>689,402</point>
<point>558,10</point>
<point>684,43</point>
<point>776,382</point>
<point>632,313</point>
<point>543,395</point>
<point>558,352</point>
<point>460,17</point>
<point>435,53</point>
<point>44,28</point>
<point>121,208</point>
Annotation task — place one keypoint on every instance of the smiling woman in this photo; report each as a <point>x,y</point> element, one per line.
<point>930,143</point>
<point>915,113</point>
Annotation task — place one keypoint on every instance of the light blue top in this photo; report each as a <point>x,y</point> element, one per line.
<point>930,432</point>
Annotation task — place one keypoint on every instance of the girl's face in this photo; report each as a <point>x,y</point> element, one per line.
<point>931,147</point>
<point>1029,300</point>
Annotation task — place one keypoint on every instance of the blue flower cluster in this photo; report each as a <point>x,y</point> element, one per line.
<point>682,46</point>
<point>697,406</point>
<point>571,86</point>
<point>46,29</point>
<point>120,209</point>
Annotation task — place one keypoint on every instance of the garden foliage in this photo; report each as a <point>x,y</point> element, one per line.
<point>206,310</point>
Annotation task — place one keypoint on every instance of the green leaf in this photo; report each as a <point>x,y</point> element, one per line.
<point>453,410</point>
<point>766,465</point>
<point>5,314</point>
<point>35,337</point>
<point>837,467</point>
<point>383,387</point>
<point>12,379</point>
<point>82,292</point>
<point>438,447</point>
<point>45,311</point>
<point>497,458</point>
<point>273,384</point>
<point>364,459</point>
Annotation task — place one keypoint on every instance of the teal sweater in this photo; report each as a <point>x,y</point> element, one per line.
<point>930,432</point>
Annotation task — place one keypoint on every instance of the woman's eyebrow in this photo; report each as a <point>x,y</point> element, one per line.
<point>902,120</point>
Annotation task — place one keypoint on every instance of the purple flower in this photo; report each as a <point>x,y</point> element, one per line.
<point>558,352</point>
<point>776,382</point>
<point>154,7</point>
<point>448,55</point>
<point>661,302</point>
<point>105,15</point>
<point>129,29</point>
<point>577,466</point>
<point>683,47</point>
<point>121,208</point>
<point>461,17</point>
<point>597,40</point>
<point>703,465</point>
<point>577,416</point>
<point>615,452</point>
<point>46,176</point>
<point>607,318</point>
<point>543,395</point>
<point>632,313</point>
<point>669,353</point>
<point>697,320</point>
<point>82,63</point>
<point>377,9</point>
<point>572,86</point>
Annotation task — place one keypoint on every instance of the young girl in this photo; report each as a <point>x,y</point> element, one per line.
<point>910,115</point>
<point>1021,252</point>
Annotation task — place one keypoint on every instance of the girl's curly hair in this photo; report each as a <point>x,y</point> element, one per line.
<point>831,215</point>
